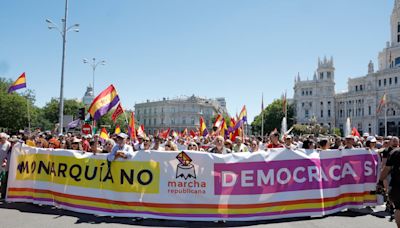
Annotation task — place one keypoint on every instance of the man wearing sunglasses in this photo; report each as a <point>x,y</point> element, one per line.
<point>120,149</point>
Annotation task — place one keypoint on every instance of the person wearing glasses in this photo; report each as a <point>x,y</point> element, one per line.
<point>274,137</point>
<point>193,146</point>
<point>120,149</point>
<point>170,146</point>
<point>108,146</point>
<point>146,143</point>
<point>219,147</point>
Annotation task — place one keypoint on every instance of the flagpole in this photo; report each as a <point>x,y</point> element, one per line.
<point>29,115</point>
<point>262,117</point>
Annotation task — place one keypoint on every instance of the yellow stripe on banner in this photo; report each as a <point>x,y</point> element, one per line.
<point>121,176</point>
<point>282,209</point>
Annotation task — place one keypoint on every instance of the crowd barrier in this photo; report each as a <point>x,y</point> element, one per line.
<point>198,186</point>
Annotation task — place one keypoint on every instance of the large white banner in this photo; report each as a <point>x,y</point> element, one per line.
<point>189,185</point>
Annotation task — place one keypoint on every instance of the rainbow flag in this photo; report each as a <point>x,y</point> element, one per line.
<point>131,127</point>
<point>104,134</point>
<point>104,102</point>
<point>243,114</point>
<point>203,127</point>
<point>117,130</point>
<point>18,84</point>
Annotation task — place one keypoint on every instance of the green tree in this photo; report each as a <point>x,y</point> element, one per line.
<point>273,115</point>
<point>13,107</point>
<point>51,109</point>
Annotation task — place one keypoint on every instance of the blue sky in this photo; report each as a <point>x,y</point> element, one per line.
<point>235,49</point>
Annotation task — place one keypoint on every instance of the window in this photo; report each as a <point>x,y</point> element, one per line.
<point>356,88</point>
<point>183,120</point>
<point>310,104</point>
<point>307,93</point>
<point>192,120</point>
<point>322,104</point>
<point>329,113</point>
<point>369,110</point>
<point>361,87</point>
<point>328,75</point>
<point>155,110</point>
<point>321,75</point>
<point>302,93</point>
<point>306,113</point>
<point>302,104</point>
<point>390,81</point>
<point>341,113</point>
<point>144,121</point>
<point>384,82</point>
<point>395,80</point>
<point>379,82</point>
<point>329,103</point>
<point>322,113</point>
<point>310,92</point>
<point>162,120</point>
<point>173,121</point>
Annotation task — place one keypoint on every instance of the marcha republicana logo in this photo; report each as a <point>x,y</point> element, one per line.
<point>184,169</point>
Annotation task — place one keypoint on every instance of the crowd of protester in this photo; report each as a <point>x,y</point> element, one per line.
<point>121,146</point>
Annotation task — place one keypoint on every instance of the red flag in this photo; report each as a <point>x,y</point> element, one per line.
<point>164,134</point>
<point>184,132</point>
<point>131,127</point>
<point>192,133</point>
<point>118,111</point>
<point>355,132</point>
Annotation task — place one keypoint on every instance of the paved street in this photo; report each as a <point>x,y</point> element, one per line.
<point>27,215</point>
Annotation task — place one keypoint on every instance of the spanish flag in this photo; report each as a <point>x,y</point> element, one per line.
<point>104,102</point>
<point>117,130</point>
<point>104,134</point>
<point>203,127</point>
<point>18,84</point>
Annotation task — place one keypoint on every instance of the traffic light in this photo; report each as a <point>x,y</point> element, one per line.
<point>81,114</point>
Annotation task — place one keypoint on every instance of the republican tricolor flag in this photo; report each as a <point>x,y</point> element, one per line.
<point>104,102</point>
<point>118,111</point>
<point>18,84</point>
<point>218,121</point>
<point>117,130</point>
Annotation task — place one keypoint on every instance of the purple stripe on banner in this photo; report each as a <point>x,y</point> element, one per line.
<point>264,214</point>
<point>103,110</point>
<point>16,87</point>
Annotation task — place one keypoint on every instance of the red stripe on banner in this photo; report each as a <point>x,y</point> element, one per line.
<point>161,205</point>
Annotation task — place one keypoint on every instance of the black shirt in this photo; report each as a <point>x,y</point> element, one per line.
<point>394,162</point>
<point>386,152</point>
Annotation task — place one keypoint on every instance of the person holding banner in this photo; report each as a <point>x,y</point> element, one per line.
<point>392,167</point>
<point>4,150</point>
<point>121,149</point>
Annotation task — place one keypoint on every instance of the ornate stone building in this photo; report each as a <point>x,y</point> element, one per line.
<point>317,97</point>
<point>179,113</point>
<point>88,97</point>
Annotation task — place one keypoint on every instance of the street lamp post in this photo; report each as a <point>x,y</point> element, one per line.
<point>94,65</point>
<point>63,34</point>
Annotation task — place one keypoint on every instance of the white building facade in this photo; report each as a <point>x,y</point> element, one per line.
<point>179,113</point>
<point>317,97</point>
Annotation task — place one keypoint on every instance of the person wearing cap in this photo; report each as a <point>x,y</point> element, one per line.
<point>120,149</point>
<point>76,144</point>
<point>289,143</point>
<point>349,142</point>
<point>370,142</point>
